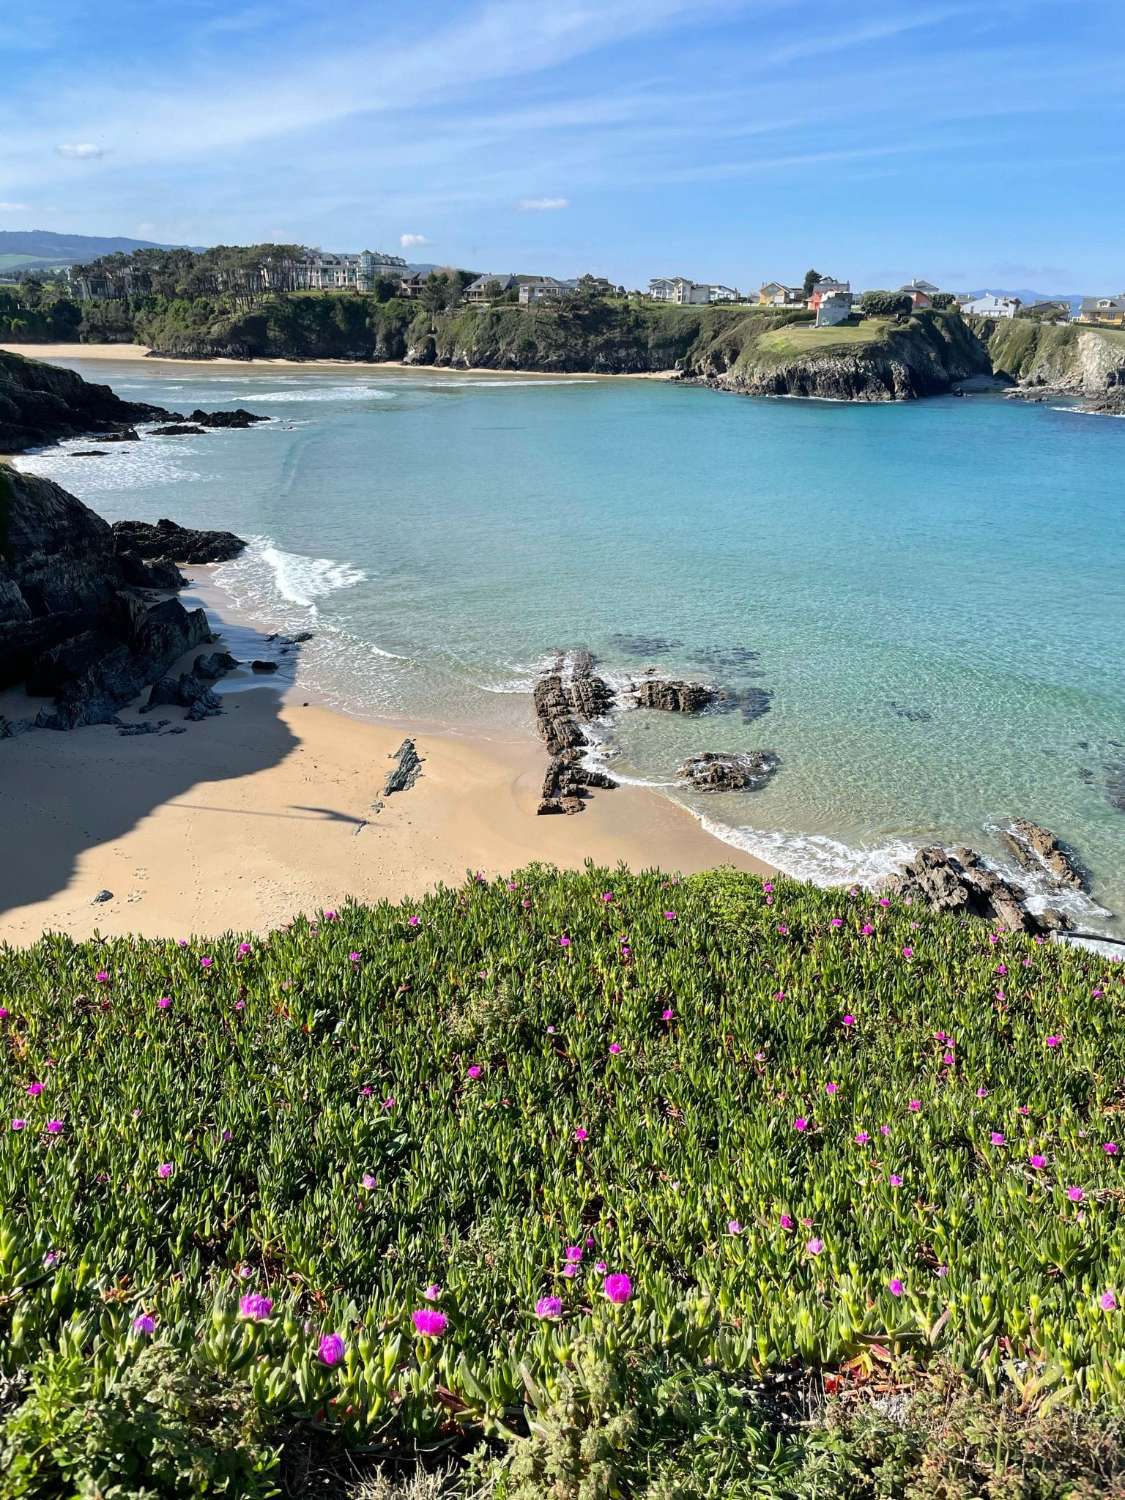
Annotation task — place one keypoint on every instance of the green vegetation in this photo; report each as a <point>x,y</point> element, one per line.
<point>803,338</point>
<point>375,1182</point>
<point>886,304</point>
<point>1051,354</point>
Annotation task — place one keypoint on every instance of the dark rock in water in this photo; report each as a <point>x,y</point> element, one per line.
<point>101,897</point>
<point>565,698</point>
<point>211,668</point>
<point>1115,783</point>
<point>126,435</point>
<point>643,645</point>
<point>1085,774</point>
<point>751,702</point>
<point>41,403</point>
<point>1035,849</point>
<point>264,666</point>
<point>178,429</point>
<point>87,453</point>
<point>958,880</point>
<point>293,640</point>
<point>182,543</point>
<point>672,696</point>
<point>237,418</point>
<point>408,767</point>
<point>913,715</point>
<point>566,782</point>
<point>725,656</point>
<point>735,771</point>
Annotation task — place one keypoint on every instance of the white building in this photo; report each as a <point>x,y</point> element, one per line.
<point>678,289</point>
<point>723,294</point>
<point>990,306</point>
<point>321,271</point>
<point>833,308</point>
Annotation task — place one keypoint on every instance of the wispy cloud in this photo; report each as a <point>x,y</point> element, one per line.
<point>15,208</point>
<point>412,241</point>
<point>542,205</point>
<point>80,150</point>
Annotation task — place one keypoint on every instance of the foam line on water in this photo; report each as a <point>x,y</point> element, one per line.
<point>814,856</point>
<point>268,577</point>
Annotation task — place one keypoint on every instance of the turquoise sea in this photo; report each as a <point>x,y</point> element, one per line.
<point>930,597</point>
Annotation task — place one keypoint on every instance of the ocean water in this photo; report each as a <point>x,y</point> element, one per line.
<point>928,599</point>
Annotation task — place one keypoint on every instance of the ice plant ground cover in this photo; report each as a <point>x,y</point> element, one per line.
<point>404,1176</point>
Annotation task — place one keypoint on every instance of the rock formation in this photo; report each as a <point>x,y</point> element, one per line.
<point>77,618</point>
<point>567,697</point>
<point>240,417</point>
<point>407,769</point>
<point>42,403</point>
<point>733,771</point>
<point>958,881</point>
<point>178,543</point>
<point>673,696</point>
<point>1036,850</point>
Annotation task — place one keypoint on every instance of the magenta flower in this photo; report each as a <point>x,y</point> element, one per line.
<point>1053,1041</point>
<point>331,916</point>
<point>767,885</point>
<point>164,1002</point>
<point>206,962</point>
<point>1108,1301</point>
<point>101,977</point>
<point>618,1288</point>
<point>800,1123</point>
<point>550,1307</point>
<point>785,1221</point>
<point>428,1322</point>
<point>354,957</point>
<point>564,941</point>
<point>4,1012</point>
<point>997,1138</point>
<point>1110,1148</point>
<point>734,1227</point>
<point>164,1169</point>
<point>982,1092</point>
<point>368,1181</point>
<point>896,1287</point>
<point>895,1180</point>
<point>413,921</point>
<point>1075,1194</point>
<point>862,1138</point>
<point>908,953</point>
<point>581,1134</point>
<point>243,949</point>
<point>867,929</point>
<point>432,1292</point>
<point>330,1350</point>
<point>389,1102</point>
<point>915,1105</point>
<point>600,1267</point>
<point>848,1020</point>
<point>255,1307</point>
<point>837,921</point>
<point>54,1127</point>
<point>669,916</point>
<point>615,1048</point>
<point>18,1124</point>
<point>142,1323</point>
<point>570,1269</point>
<point>607,895</point>
<point>831,1088</point>
<point>474,1071</point>
<point>782,929</point>
<point>814,1246</point>
<point>35,1089</point>
<point>574,1252</point>
<point>1037,1161</point>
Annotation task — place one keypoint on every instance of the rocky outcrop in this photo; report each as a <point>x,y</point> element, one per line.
<point>733,771</point>
<point>42,403</point>
<point>1036,850</point>
<point>407,769</point>
<point>240,417</point>
<point>77,621</point>
<point>178,429</point>
<point>178,543</point>
<point>958,881</point>
<point>673,696</point>
<point>566,699</point>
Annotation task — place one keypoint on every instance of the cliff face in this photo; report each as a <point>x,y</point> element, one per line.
<point>1074,358</point>
<point>76,624</point>
<point>41,403</point>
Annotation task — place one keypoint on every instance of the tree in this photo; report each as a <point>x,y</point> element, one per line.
<point>886,304</point>
<point>942,299</point>
<point>811,279</point>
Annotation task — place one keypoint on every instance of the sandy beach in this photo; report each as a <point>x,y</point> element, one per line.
<point>49,352</point>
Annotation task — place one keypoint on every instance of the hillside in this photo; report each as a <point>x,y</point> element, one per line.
<point>606,1169</point>
<point>1070,357</point>
<point>23,249</point>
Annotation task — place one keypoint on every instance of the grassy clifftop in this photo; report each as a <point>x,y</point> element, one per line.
<point>571,1162</point>
<point>1069,357</point>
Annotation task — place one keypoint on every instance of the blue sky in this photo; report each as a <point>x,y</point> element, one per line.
<point>974,142</point>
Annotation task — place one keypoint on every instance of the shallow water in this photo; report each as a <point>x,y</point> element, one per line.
<point>929,595</point>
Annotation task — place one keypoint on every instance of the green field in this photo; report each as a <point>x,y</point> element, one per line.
<point>828,1139</point>
<point>802,338</point>
<point>10,262</point>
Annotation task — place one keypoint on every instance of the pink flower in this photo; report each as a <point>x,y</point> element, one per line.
<point>884,902</point>
<point>1001,968</point>
<point>142,1323</point>
<point>474,1071</point>
<point>848,1020</point>
<point>831,1088</point>
<point>1108,1302</point>
<point>862,1138</point>
<point>915,1105</point>
<point>1053,1041</point>
<point>206,962</point>
<point>164,1002</point>
<point>618,1288</point>
<point>667,1013</point>
<point>101,977</point>
<point>600,1267</point>
<point>164,1169</point>
<point>896,1287</point>
<point>354,957</point>
<point>18,1124</point>
<point>389,1102</point>
<point>428,1322</point>
<point>884,1130</point>
<point>550,1307</point>
<point>607,895</point>
<point>895,1180</point>
<point>669,916</point>
<point>1075,1194</point>
<point>255,1307</point>
<point>581,1134</point>
<point>243,949</point>
<point>54,1127</point>
<point>1110,1148</point>
<point>814,1246</point>
<point>614,1048</point>
<point>574,1252</point>
<point>413,921</point>
<point>782,929</point>
<point>785,1221</point>
<point>867,929</point>
<point>908,953</point>
<point>4,1012</point>
<point>330,1350</point>
<point>997,1138</point>
<point>982,1093</point>
<point>734,1227</point>
<point>331,916</point>
<point>432,1292</point>
<point>35,1089</point>
<point>564,941</point>
<point>837,921</point>
<point>800,1123</point>
<point>368,1181</point>
<point>767,885</point>
<point>1037,1161</point>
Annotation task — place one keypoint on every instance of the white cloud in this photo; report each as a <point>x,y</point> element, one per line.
<point>412,241</point>
<point>15,208</point>
<point>542,205</point>
<point>80,150</point>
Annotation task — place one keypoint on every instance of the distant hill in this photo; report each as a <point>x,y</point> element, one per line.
<point>24,249</point>
<point>1073,299</point>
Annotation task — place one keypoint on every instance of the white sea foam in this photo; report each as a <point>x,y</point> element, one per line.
<point>122,466</point>
<point>815,856</point>
<point>268,578</point>
<point>315,393</point>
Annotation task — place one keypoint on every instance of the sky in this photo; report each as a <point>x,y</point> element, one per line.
<point>970,142</point>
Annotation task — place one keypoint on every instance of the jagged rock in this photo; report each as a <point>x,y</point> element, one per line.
<point>673,696</point>
<point>237,418</point>
<point>735,771</point>
<point>87,453</point>
<point>178,429</point>
<point>157,574</point>
<point>130,731</point>
<point>101,897</point>
<point>10,728</point>
<point>264,666</point>
<point>186,691</point>
<point>959,881</point>
<point>182,543</point>
<point>567,696</point>
<point>211,668</point>
<point>566,782</point>
<point>126,435</point>
<point>1035,849</point>
<point>408,767</point>
<point>292,640</point>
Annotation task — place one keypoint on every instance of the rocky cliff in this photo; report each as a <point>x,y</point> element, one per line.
<point>78,621</point>
<point>41,403</point>
<point>1069,358</point>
